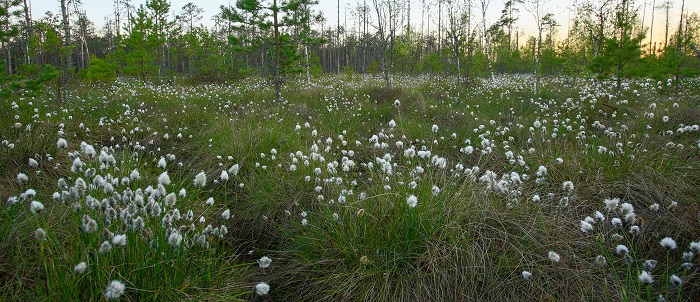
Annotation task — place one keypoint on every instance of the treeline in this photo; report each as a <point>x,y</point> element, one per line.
<point>607,39</point>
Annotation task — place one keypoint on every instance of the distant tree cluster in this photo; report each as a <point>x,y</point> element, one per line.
<point>291,38</point>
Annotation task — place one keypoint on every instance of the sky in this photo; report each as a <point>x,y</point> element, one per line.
<point>99,10</point>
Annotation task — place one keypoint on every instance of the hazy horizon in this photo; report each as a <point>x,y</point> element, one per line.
<point>98,14</point>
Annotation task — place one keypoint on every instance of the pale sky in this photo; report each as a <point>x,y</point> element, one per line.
<point>99,10</point>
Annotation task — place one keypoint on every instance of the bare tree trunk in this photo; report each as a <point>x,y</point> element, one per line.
<point>679,38</point>
<point>6,45</point>
<point>459,70</point>
<point>668,8</point>
<point>382,31</point>
<point>66,43</point>
<point>308,64</point>
<point>278,78</point>
<point>651,28</point>
<point>484,7</point>
<point>439,26</point>
<point>8,57</point>
<point>28,24</point>
<point>537,55</point>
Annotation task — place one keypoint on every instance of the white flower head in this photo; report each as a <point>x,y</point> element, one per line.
<point>436,190</point>
<point>234,170</point>
<point>135,175</point>
<point>527,275</point>
<point>621,250</point>
<point>119,240</point>
<point>616,222</point>
<point>200,180</point>
<point>568,186</point>
<point>40,234</point>
<point>80,268</point>
<point>676,281</point>
<point>649,264</point>
<point>600,261</point>
<point>164,179</point>
<point>105,247</point>
<point>412,201</point>
<point>646,278</point>
<point>162,163</point>
<point>36,207</point>
<point>668,243</point>
<point>695,247</point>
<point>22,178</point>
<point>554,256</point>
<point>61,143</point>
<point>611,204</point>
<point>586,227</point>
<point>262,289</point>
<point>114,290</point>
<point>89,225</point>
<point>175,239</point>
<point>264,261</point>
<point>226,214</point>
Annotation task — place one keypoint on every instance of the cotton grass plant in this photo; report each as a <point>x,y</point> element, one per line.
<point>339,192</point>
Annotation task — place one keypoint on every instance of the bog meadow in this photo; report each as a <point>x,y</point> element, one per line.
<point>268,159</point>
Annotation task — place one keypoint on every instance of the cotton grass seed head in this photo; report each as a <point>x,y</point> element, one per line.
<point>586,227</point>
<point>646,278</point>
<point>22,178</point>
<point>105,247</point>
<point>527,275</point>
<point>611,204</point>
<point>695,247</point>
<point>621,249</point>
<point>412,201</point>
<point>262,289</point>
<point>61,143</point>
<point>114,290</point>
<point>119,240</point>
<point>79,268</point>
<point>164,179</point>
<point>567,186</point>
<point>600,261</point>
<point>36,207</point>
<point>200,180</point>
<point>40,234</point>
<point>649,264</point>
<point>554,256</point>
<point>668,243</point>
<point>264,262</point>
<point>616,222</point>
<point>675,281</point>
<point>175,239</point>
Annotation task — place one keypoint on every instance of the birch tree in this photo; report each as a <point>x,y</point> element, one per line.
<point>484,8</point>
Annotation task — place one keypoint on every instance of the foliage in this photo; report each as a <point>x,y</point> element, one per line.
<point>101,70</point>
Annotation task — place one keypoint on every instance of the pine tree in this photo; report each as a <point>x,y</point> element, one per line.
<point>138,48</point>
<point>272,19</point>
<point>621,52</point>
